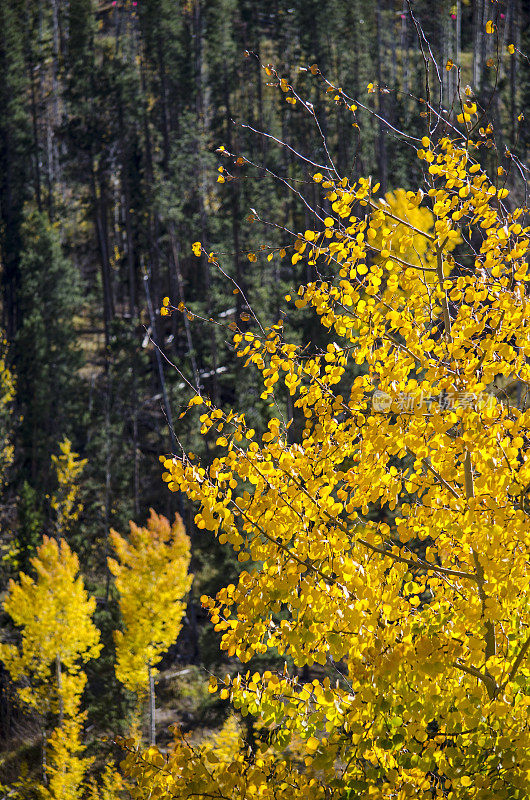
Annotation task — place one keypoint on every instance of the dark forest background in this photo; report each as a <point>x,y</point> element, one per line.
<point>111,114</point>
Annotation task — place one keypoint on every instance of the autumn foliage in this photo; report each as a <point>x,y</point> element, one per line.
<point>152,579</point>
<point>58,636</point>
<point>54,614</point>
<point>415,620</point>
<point>377,634</point>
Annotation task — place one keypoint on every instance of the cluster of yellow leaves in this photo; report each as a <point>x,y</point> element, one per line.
<point>110,786</point>
<point>7,394</point>
<point>66,767</point>
<point>400,240</point>
<point>68,468</point>
<point>189,771</point>
<point>428,613</point>
<point>151,576</point>
<point>226,744</point>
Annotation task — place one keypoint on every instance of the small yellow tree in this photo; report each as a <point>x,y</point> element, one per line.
<point>8,545</point>
<point>64,502</point>
<point>54,613</point>
<point>7,394</point>
<point>151,578</point>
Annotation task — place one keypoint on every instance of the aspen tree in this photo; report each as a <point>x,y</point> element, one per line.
<point>54,613</point>
<point>64,502</point>
<point>416,625</point>
<point>151,576</point>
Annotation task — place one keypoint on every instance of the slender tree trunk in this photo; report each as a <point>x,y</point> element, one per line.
<point>43,756</point>
<point>480,16</point>
<point>405,53</point>
<point>108,468</point>
<point>34,111</point>
<point>55,89</point>
<point>458,42</point>
<point>160,366</point>
<point>446,49</point>
<point>182,299</point>
<point>153,219</point>
<point>152,707</point>
<point>59,678</point>
<point>234,200</point>
<point>513,27</point>
<point>126,202</point>
<point>100,224</point>
<point>201,113</point>
<point>164,99</point>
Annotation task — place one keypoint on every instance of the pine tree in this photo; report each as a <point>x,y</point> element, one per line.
<point>45,351</point>
<point>14,155</point>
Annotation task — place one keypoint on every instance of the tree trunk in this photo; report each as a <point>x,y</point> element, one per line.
<point>160,366</point>
<point>55,90</point>
<point>59,678</point>
<point>152,707</point>
<point>164,99</point>
<point>43,758</point>
<point>234,201</point>
<point>201,113</point>
<point>182,299</point>
<point>100,224</point>
<point>34,112</point>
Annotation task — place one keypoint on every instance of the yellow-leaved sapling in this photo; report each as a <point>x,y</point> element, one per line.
<point>151,576</point>
<point>57,636</point>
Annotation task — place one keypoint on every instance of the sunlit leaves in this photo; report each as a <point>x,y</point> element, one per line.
<point>426,610</point>
<point>151,575</point>
<point>68,469</point>
<point>54,613</point>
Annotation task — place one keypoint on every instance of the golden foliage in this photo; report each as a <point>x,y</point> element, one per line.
<point>152,578</point>
<point>68,469</point>
<point>428,609</point>
<point>7,395</point>
<point>54,613</point>
<point>397,245</point>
